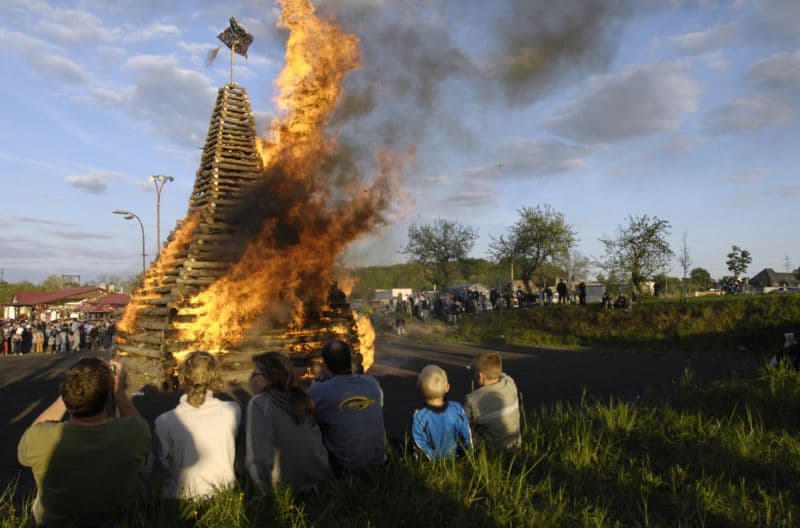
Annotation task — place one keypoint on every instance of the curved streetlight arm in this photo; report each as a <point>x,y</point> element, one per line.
<point>159,180</point>
<point>127,215</point>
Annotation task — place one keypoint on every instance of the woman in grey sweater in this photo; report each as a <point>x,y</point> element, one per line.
<point>283,441</point>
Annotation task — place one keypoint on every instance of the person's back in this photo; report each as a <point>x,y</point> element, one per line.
<point>493,408</point>
<point>283,443</point>
<point>440,428</point>
<point>294,452</point>
<point>84,471</point>
<point>196,441</point>
<point>87,468</point>
<point>350,411</point>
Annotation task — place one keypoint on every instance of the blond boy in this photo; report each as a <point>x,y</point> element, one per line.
<point>441,427</point>
<point>493,408</point>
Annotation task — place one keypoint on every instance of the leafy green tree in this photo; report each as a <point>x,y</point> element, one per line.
<point>701,279</point>
<point>738,261</point>
<point>638,250</point>
<point>539,236</point>
<point>53,283</point>
<point>441,248</point>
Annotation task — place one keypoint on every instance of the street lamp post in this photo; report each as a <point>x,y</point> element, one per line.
<point>159,180</point>
<point>127,215</point>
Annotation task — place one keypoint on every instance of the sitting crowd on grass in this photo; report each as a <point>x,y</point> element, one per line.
<point>90,468</point>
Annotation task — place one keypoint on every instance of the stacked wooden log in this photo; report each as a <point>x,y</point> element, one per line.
<point>201,250</point>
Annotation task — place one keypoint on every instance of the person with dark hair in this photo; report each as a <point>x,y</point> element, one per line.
<point>283,442</point>
<point>196,441</point>
<point>350,411</point>
<point>563,293</point>
<point>86,468</point>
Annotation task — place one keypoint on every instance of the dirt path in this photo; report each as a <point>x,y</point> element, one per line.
<point>29,383</point>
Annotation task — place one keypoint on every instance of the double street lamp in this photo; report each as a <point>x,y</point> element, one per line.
<point>159,180</point>
<point>127,215</point>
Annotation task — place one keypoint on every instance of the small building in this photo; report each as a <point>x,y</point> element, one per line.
<point>768,280</point>
<point>50,305</point>
<point>390,295</point>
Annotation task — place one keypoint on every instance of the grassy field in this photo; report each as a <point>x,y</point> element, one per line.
<point>706,324</point>
<point>726,454</point>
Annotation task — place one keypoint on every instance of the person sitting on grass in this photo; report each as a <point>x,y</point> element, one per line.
<point>350,411</point>
<point>196,441</point>
<point>283,442</point>
<point>87,467</point>
<point>441,428</point>
<point>493,408</point>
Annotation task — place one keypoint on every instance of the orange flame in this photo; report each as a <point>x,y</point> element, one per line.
<point>182,235</point>
<point>366,336</point>
<point>287,267</point>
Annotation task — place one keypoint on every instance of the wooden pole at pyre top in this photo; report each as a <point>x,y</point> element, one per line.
<point>237,39</point>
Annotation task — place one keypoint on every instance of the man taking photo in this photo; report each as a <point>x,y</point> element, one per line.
<point>87,466</point>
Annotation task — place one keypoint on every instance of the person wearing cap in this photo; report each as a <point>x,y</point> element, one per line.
<point>349,410</point>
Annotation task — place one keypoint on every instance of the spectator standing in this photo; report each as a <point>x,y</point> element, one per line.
<point>283,442</point>
<point>441,427</point>
<point>350,412</point>
<point>196,441</point>
<point>87,467</point>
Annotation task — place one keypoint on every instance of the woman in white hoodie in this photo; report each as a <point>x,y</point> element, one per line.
<point>196,442</point>
<point>283,440</point>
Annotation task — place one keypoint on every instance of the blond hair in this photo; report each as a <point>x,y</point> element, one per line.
<point>490,365</point>
<point>199,373</point>
<point>432,382</point>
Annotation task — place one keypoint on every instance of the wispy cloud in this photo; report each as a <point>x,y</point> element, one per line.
<point>93,181</point>
<point>699,42</point>
<point>747,114</point>
<point>76,234</point>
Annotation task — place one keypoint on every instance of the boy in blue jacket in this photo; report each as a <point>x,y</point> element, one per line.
<point>441,427</point>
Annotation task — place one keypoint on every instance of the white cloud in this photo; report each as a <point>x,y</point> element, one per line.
<point>73,234</point>
<point>94,181</point>
<point>747,114</point>
<point>534,158</point>
<point>154,30</point>
<point>470,193</point>
<point>777,74</point>
<point>753,175</point>
<point>683,143</point>
<point>170,100</point>
<point>73,27</point>
<point>42,57</point>
<point>699,42</point>
<point>640,101</point>
<point>776,20</point>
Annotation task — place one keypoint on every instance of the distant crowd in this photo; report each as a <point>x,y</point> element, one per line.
<point>456,302</point>
<point>62,336</point>
<point>89,467</point>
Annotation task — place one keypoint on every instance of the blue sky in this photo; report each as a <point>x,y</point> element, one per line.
<point>686,110</point>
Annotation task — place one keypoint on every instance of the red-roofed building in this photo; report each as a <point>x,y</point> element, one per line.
<point>107,304</point>
<point>50,304</point>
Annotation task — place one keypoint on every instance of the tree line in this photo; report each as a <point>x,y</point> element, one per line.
<point>541,245</point>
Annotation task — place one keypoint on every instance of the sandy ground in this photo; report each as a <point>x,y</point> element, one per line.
<point>29,383</point>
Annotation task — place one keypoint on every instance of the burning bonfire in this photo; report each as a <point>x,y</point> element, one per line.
<point>250,267</point>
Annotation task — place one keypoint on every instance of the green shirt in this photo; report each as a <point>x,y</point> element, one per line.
<point>84,472</point>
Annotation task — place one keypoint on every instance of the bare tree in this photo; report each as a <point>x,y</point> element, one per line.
<point>685,260</point>
<point>575,266</point>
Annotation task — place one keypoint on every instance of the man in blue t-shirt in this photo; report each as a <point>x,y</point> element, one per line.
<point>350,411</point>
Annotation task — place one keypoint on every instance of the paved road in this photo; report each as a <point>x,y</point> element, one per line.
<point>29,383</point>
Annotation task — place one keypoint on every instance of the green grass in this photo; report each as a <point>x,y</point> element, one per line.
<point>721,324</point>
<point>724,454</point>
